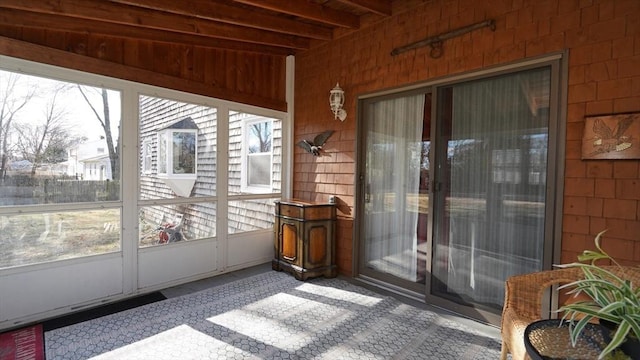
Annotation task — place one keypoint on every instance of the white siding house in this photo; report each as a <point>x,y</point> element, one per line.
<point>90,161</point>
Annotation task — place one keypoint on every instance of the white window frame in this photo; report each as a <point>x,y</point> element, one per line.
<point>166,137</point>
<point>245,187</point>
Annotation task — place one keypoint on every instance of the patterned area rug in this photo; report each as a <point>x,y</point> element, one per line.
<point>273,316</point>
<point>22,344</point>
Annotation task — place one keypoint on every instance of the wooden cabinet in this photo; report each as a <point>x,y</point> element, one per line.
<point>304,241</point>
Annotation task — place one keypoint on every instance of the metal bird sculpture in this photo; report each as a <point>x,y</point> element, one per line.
<point>315,147</point>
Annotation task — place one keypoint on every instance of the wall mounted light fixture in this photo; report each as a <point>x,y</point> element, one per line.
<point>336,100</point>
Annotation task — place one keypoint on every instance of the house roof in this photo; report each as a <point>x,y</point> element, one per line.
<point>186,123</point>
<point>96,158</point>
<point>268,26</point>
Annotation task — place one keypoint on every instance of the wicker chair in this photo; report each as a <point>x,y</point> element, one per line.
<point>523,302</point>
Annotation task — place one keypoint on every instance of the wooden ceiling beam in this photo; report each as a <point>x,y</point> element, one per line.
<point>308,10</point>
<point>380,7</point>
<point>46,55</point>
<point>145,18</point>
<point>44,21</point>
<point>211,10</point>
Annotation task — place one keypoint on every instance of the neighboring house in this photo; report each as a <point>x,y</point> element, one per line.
<point>96,168</point>
<point>89,161</point>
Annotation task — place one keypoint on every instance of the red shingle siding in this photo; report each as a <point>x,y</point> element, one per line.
<point>603,42</point>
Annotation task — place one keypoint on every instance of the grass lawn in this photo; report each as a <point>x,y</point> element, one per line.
<point>34,238</point>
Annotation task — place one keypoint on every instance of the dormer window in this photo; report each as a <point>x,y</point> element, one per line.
<point>177,160</point>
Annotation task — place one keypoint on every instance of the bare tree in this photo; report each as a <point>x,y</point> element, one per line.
<point>12,100</point>
<point>51,136</point>
<point>262,132</point>
<point>105,121</point>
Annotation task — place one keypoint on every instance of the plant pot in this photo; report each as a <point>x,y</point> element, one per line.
<point>631,346</point>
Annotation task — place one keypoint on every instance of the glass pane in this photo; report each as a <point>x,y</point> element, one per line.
<point>166,224</point>
<point>59,141</point>
<point>184,153</point>
<point>260,137</point>
<point>255,154</point>
<point>34,238</point>
<point>183,140</point>
<point>494,138</point>
<point>258,170</point>
<point>395,209</point>
<point>249,215</point>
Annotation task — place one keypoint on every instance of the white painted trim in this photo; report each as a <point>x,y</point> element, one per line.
<point>222,186</point>
<point>287,130</point>
<point>129,188</point>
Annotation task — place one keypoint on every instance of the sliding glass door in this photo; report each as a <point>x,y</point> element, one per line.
<point>395,190</point>
<point>452,207</point>
<point>492,143</point>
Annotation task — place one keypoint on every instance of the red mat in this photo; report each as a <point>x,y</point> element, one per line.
<point>22,344</point>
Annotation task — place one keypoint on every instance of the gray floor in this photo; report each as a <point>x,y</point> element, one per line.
<point>258,313</point>
<point>207,283</point>
<point>487,330</point>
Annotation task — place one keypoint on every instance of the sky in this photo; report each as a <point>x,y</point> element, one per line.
<point>78,115</point>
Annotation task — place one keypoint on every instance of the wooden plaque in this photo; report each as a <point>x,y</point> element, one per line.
<point>611,137</point>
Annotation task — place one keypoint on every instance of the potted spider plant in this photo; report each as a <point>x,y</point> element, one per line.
<point>610,299</point>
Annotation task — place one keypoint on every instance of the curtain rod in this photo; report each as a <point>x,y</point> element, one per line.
<point>436,41</point>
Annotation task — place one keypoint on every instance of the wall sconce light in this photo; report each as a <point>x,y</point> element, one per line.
<point>336,100</point>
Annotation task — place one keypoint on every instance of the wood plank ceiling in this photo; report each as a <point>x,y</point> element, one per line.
<point>274,27</point>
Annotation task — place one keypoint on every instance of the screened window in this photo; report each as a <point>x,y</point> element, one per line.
<point>255,171</point>
<point>182,142</point>
<point>74,172</point>
<point>59,150</point>
<point>185,137</point>
<point>173,223</point>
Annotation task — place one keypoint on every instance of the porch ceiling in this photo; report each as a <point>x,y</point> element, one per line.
<point>266,26</point>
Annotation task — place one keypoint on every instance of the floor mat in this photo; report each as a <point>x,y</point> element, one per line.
<point>22,344</point>
<point>100,311</point>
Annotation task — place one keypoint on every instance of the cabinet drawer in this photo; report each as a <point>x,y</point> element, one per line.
<point>291,211</point>
<point>302,212</point>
